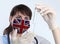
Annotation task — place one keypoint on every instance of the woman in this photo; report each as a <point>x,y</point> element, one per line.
<point>17,31</point>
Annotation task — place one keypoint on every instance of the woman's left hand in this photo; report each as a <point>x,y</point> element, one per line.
<point>48,14</point>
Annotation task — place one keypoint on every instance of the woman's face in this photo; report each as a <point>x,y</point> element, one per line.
<point>21,16</point>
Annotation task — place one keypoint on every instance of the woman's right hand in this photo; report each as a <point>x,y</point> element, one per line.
<point>21,39</point>
<point>14,37</point>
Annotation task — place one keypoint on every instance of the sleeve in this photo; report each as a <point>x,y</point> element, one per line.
<point>4,39</point>
<point>1,40</point>
<point>42,40</point>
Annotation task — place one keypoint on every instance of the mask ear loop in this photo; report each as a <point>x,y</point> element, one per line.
<point>34,20</point>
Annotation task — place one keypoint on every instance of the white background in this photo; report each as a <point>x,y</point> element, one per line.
<point>38,25</point>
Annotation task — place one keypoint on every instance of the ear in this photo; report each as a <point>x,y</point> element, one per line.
<point>10,18</point>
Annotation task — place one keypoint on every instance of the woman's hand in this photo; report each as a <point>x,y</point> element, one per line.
<point>48,15</point>
<point>21,39</point>
<point>14,37</point>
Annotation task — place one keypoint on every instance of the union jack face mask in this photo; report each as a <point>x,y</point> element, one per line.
<point>21,25</point>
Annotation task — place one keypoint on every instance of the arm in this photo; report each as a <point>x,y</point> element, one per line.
<point>56,34</point>
<point>48,15</point>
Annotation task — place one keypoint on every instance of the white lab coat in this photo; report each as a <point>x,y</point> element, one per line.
<point>40,40</point>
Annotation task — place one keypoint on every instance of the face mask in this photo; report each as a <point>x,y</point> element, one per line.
<point>21,25</point>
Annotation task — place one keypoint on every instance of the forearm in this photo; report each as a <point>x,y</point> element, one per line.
<point>56,35</point>
<point>55,31</point>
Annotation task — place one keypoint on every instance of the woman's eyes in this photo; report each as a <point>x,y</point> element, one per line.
<point>26,18</point>
<point>19,17</point>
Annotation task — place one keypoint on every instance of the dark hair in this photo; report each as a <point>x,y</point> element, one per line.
<point>18,8</point>
<point>23,9</point>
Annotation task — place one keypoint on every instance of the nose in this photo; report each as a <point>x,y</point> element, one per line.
<point>23,17</point>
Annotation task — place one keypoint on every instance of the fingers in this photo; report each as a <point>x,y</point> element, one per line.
<point>39,7</point>
<point>44,9</point>
<point>14,34</point>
